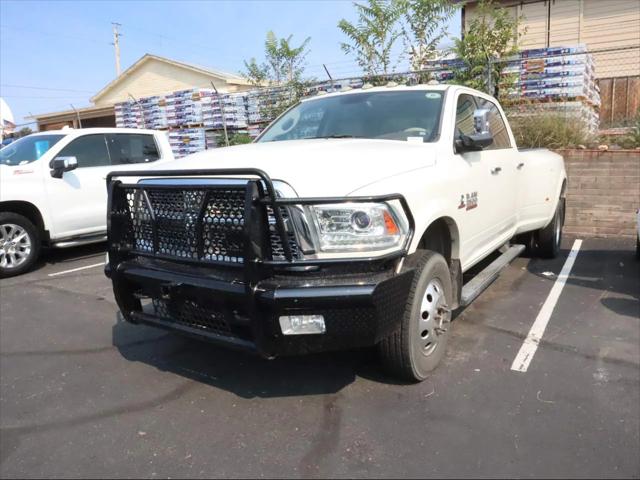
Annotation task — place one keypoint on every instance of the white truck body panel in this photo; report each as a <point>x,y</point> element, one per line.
<point>516,191</point>
<point>74,205</point>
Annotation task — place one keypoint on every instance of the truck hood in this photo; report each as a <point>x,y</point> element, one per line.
<point>318,167</point>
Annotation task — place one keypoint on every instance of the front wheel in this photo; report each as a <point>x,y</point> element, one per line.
<point>418,344</point>
<point>19,244</point>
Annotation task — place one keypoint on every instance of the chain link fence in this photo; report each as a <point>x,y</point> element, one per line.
<point>553,97</point>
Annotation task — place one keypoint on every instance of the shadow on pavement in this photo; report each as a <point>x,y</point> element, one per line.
<point>53,256</point>
<point>245,375</point>
<point>614,270</point>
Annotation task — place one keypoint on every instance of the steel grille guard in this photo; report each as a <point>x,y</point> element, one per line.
<point>256,256</point>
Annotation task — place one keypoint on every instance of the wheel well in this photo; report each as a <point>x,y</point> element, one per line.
<point>442,236</point>
<point>25,209</point>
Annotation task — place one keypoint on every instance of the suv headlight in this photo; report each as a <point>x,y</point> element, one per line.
<point>358,227</point>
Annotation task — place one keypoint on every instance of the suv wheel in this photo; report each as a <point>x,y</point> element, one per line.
<point>19,244</point>
<point>419,343</point>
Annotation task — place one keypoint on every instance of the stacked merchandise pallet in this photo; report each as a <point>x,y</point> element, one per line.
<point>184,108</point>
<point>258,103</point>
<point>154,112</point>
<point>128,115</point>
<point>232,105</point>
<point>185,141</point>
<point>148,112</point>
<point>444,69</point>
<point>557,79</point>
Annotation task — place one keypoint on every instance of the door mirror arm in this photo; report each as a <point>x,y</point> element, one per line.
<point>59,165</point>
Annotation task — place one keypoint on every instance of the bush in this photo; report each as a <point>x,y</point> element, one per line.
<point>549,131</point>
<point>234,139</point>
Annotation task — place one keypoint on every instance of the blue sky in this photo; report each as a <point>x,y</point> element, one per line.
<point>66,45</point>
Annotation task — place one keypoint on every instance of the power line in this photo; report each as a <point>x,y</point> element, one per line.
<point>35,96</point>
<point>45,88</point>
<point>56,34</point>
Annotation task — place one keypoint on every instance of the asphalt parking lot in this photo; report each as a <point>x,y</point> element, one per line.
<point>83,394</point>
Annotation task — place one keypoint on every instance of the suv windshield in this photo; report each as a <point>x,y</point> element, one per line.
<point>27,149</point>
<point>399,115</point>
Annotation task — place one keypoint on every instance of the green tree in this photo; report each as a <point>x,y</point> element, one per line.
<point>491,34</point>
<point>23,132</point>
<point>423,29</point>
<point>372,37</point>
<point>282,69</point>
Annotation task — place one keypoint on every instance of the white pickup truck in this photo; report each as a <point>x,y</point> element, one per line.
<point>348,223</point>
<point>52,187</point>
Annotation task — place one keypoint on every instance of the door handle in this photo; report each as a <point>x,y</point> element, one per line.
<point>520,165</point>
<point>495,171</point>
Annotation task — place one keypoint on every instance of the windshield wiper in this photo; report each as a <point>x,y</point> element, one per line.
<point>333,136</point>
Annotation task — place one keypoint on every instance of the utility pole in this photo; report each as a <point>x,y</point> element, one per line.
<point>116,45</point>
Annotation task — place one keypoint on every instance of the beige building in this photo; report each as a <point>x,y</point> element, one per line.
<point>151,75</point>
<point>610,29</point>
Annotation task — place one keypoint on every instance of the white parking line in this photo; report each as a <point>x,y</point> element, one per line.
<point>530,345</point>
<point>76,269</point>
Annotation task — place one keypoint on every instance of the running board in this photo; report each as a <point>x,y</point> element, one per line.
<point>80,241</point>
<point>482,280</point>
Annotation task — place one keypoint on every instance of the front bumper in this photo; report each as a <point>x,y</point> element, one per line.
<point>359,308</point>
<point>210,255</point>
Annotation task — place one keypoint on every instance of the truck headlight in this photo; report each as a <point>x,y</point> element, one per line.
<point>354,227</point>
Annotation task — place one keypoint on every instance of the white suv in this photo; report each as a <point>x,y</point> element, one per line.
<point>52,187</point>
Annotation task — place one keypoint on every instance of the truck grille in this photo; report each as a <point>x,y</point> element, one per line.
<point>203,224</point>
<point>200,223</point>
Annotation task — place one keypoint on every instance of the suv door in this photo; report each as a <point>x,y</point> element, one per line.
<point>79,199</point>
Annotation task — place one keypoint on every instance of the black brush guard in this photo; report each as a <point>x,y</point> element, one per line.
<point>233,292</point>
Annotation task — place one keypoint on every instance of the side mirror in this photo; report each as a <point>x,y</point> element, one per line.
<point>59,165</point>
<point>482,137</point>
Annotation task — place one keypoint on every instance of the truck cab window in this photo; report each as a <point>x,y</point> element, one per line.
<point>464,116</point>
<point>89,150</point>
<point>127,148</point>
<point>497,125</point>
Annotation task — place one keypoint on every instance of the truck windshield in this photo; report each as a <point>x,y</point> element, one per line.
<point>27,149</point>
<point>401,115</point>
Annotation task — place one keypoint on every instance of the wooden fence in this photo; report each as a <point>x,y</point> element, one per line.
<point>620,98</point>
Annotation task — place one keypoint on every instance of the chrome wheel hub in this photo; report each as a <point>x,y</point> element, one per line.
<point>435,317</point>
<point>15,245</point>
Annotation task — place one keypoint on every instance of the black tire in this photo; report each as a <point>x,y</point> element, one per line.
<point>8,268</point>
<point>406,353</point>
<point>549,238</point>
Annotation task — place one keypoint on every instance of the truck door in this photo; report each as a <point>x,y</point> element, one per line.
<point>486,210</point>
<point>79,199</point>
<point>501,162</point>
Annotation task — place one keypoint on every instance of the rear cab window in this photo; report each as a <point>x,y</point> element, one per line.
<point>129,148</point>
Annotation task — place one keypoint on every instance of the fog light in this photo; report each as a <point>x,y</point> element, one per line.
<point>302,324</point>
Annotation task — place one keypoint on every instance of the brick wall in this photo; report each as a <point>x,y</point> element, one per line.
<point>603,193</point>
